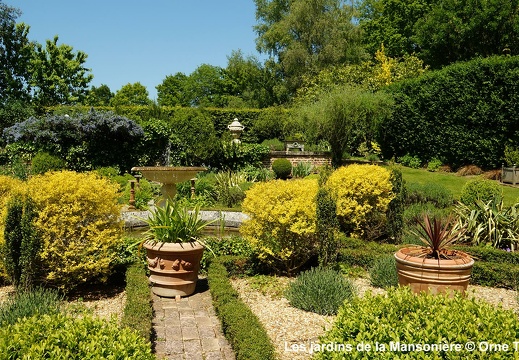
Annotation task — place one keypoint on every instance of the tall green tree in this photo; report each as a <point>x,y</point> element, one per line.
<point>249,81</point>
<point>207,86</point>
<point>441,32</point>
<point>58,75</point>
<point>15,54</point>
<point>172,91</point>
<point>345,117</point>
<point>459,30</point>
<point>307,35</point>
<point>99,96</point>
<point>131,94</point>
<point>392,23</point>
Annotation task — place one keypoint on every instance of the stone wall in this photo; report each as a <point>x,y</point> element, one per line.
<point>295,157</point>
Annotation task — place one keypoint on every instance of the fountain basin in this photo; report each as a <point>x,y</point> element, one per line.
<point>168,176</point>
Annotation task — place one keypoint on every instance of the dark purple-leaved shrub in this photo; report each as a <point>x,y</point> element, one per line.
<point>84,141</point>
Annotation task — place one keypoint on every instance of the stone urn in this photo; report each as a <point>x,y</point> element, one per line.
<point>443,276</point>
<point>173,267</point>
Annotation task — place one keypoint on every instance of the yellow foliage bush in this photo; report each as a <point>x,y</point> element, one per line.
<point>8,187</point>
<point>362,194</point>
<point>79,222</point>
<point>283,222</point>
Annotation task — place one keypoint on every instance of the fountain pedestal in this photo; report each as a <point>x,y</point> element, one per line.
<point>168,176</point>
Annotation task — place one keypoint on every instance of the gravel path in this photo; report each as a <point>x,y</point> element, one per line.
<point>288,326</point>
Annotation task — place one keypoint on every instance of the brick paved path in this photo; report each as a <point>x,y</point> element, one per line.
<point>188,329</point>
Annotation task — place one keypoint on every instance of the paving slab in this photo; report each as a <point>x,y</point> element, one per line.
<point>188,329</point>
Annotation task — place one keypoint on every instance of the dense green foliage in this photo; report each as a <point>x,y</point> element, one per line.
<point>396,207</point>
<point>402,318</point>
<point>242,328</point>
<point>327,227</point>
<point>440,32</point>
<point>320,290</point>
<point>22,243</point>
<point>59,336</point>
<point>43,162</point>
<point>462,114</point>
<point>282,168</point>
<point>307,36</point>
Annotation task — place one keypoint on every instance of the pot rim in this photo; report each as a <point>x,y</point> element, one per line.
<point>172,246</point>
<point>465,261</point>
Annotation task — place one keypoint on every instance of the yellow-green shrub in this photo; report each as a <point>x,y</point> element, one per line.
<point>8,187</point>
<point>78,218</point>
<point>283,222</point>
<point>362,194</point>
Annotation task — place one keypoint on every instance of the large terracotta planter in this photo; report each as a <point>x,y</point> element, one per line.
<point>173,267</point>
<point>431,275</point>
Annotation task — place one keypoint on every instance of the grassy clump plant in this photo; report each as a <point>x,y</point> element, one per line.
<point>403,318</point>
<point>320,290</point>
<point>383,274</point>
<point>24,304</point>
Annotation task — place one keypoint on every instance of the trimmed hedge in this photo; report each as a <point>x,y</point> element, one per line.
<point>241,327</point>
<point>462,114</point>
<point>138,311</point>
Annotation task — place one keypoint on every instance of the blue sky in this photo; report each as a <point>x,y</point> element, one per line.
<point>130,41</point>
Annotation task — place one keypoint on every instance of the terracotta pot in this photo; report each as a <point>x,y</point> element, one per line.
<point>173,267</point>
<point>433,276</point>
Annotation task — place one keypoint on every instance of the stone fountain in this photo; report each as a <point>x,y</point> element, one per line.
<point>168,176</point>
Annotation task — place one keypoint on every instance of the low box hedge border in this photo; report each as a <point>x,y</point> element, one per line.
<point>138,310</point>
<point>241,327</point>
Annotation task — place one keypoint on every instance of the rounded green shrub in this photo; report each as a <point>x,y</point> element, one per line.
<point>383,274</point>
<point>59,336</point>
<point>282,168</point>
<point>43,162</point>
<point>480,189</point>
<point>389,323</point>
<point>320,290</point>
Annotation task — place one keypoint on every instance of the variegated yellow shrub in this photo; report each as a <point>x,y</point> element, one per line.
<point>78,217</point>
<point>283,222</point>
<point>362,194</point>
<point>8,187</point>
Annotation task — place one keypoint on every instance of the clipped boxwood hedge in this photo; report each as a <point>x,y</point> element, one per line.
<point>138,310</point>
<point>59,336</point>
<point>241,327</point>
<point>402,325</point>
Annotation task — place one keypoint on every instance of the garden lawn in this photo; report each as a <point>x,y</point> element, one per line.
<point>453,182</point>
